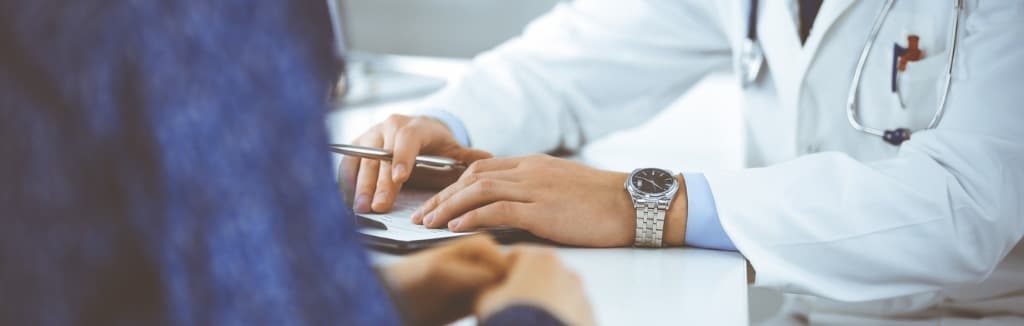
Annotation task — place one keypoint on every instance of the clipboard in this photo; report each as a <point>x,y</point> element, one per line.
<point>395,232</point>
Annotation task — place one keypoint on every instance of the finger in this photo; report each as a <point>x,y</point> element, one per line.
<point>502,213</point>
<point>349,170</point>
<point>462,276</point>
<point>446,178</point>
<point>428,206</point>
<point>468,155</point>
<point>387,190</point>
<point>474,196</point>
<point>460,248</point>
<point>408,142</point>
<point>532,259</point>
<point>464,182</point>
<point>493,164</point>
<point>346,185</point>
<point>481,249</point>
<point>366,181</point>
<point>349,167</point>
<point>366,185</point>
<point>515,256</point>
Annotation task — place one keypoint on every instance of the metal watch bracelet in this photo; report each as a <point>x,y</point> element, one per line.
<point>650,223</point>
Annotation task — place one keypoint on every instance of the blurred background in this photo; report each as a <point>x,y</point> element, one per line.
<point>447,28</point>
<point>407,48</point>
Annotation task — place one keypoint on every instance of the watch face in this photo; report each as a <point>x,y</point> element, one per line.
<point>652,181</point>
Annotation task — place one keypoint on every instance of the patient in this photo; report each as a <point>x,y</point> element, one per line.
<point>164,162</point>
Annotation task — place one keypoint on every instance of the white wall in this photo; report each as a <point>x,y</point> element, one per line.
<point>454,28</point>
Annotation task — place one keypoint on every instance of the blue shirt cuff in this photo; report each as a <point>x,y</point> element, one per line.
<point>703,228</point>
<point>453,123</point>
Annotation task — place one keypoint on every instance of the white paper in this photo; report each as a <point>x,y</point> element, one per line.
<point>399,220</point>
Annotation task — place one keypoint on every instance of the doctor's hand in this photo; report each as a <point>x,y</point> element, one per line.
<point>553,198</point>
<point>440,285</point>
<point>376,183</point>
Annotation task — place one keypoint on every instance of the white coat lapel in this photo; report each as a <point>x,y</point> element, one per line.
<point>830,12</point>
<point>788,59</point>
<point>781,44</point>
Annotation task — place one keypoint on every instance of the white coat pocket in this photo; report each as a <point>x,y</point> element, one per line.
<point>920,87</point>
<point>920,81</point>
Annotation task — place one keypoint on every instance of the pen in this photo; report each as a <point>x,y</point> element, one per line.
<point>439,163</point>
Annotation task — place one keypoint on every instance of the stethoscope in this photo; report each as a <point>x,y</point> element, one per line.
<point>752,58</point>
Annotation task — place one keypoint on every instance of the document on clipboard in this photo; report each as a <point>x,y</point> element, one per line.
<point>396,231</point>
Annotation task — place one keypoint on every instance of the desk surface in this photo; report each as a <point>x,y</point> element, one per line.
<point>628,286</point>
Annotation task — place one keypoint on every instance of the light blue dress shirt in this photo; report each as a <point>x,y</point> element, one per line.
<point>453,123</point>
<point>703,227</point>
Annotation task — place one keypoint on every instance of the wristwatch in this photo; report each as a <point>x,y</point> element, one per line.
<point>652,191</point>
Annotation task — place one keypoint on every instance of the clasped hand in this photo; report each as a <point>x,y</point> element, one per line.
<point>472,275</point>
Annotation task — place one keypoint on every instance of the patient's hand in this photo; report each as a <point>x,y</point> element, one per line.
<point>553,198</point>
<point>377,183</point>
<point>438,286</point>
<point>537,278</point>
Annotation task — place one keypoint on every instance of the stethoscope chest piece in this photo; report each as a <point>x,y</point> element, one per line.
<point>751,60</point>
<point>896,137</point>
<point>751,56</point>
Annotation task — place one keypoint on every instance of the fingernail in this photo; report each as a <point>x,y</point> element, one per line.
<point>428,219</point>
<point>363,203</point>
<point>416,214</point>
<point>398,172</point>
<point>454,223</point>
<point>378,199</point>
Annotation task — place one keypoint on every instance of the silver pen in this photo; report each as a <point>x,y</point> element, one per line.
<point>438,163</point>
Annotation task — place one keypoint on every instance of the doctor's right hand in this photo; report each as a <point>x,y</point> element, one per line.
<point>376,184</point>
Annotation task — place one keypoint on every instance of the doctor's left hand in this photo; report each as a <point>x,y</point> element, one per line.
<point>553,198</point>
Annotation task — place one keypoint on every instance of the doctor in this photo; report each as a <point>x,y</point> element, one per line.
<point>884,142</point>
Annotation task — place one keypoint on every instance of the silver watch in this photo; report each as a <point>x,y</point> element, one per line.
<point>652,191</point>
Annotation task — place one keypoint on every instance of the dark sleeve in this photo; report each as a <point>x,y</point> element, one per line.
<point>522,315</point>
<point>164,162</point>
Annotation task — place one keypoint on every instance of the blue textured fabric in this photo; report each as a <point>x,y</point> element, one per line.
<point>703,227</point>
<point>517,315</point>
<point>164,162</point>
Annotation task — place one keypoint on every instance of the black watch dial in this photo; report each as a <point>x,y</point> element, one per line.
<point>652,181</point>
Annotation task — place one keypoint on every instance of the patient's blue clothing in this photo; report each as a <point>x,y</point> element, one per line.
<point>164,162</point>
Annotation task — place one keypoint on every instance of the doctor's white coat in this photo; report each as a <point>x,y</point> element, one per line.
<point>923,232</point>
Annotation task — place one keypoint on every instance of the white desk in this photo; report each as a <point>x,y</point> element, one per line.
<point>635,286</point>
<point>675,286</point>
